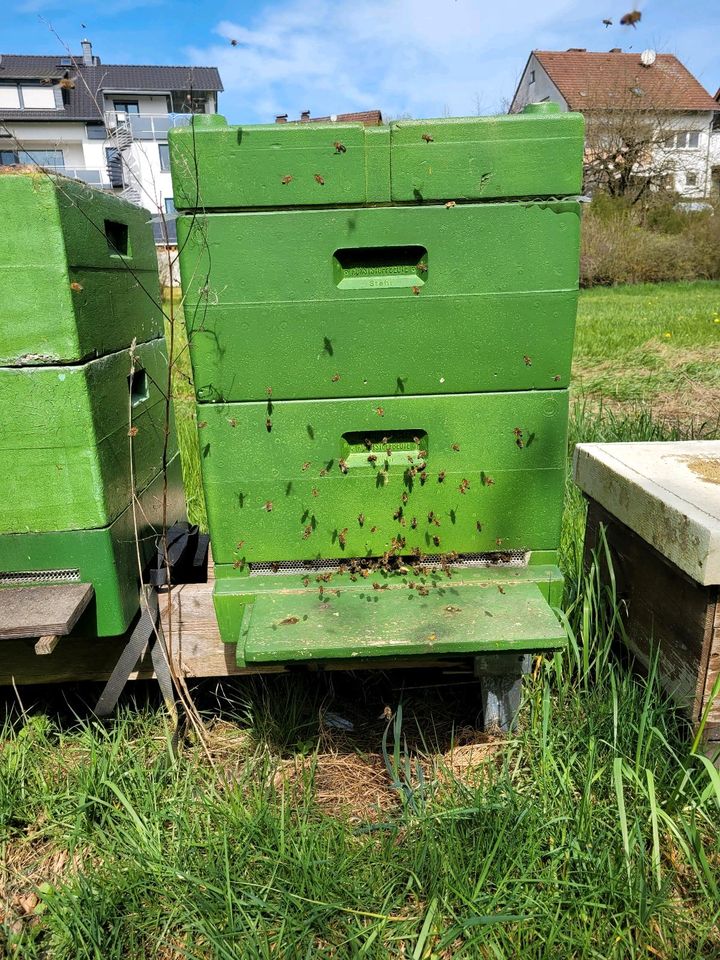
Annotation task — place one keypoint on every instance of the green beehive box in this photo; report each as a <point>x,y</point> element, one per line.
<point>78,269</point>
<point>64,432</point>
<point>216,166</point>
<point>382,393</point>
<point>105,556</point>
<point>381,302</point>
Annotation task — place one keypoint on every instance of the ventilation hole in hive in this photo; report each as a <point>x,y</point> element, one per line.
<point>498,558</point>
<point>10,577</point>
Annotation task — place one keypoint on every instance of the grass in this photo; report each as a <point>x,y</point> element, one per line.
<point>590,833</point>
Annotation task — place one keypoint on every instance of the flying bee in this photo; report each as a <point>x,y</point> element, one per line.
<point>268,424</point>
<point>441,476</point>
<point>630,19</point>
<point>456,447</point>
<point>427,138</point>
<point>287,179</point>
<point>233,43</point>
<point>77,287</point>
<point>268,506</point>
<point>339,147</point>
<point>342,465</point>
<point>319,179</point>
<point>607,22</point>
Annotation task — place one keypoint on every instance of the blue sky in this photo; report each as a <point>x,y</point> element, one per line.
<point>420,58</point>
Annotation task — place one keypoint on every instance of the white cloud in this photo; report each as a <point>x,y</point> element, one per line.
<point>422,57</point>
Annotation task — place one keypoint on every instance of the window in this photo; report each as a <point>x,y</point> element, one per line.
<point>170,206</point>
<point>95,131</point>
<point>691,178</point>
<point>37,98</point>
<point>54,159</point>
<point>9,97</point>
<point>126,106</point>
<point>531,79</point>
<point>164,156</point>
<point>683,140</point>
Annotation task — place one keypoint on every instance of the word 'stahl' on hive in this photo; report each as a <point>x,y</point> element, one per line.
<point>79,275</point>
<point>381,324</point>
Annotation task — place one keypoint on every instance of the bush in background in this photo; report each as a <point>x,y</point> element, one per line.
<point>622,243</point>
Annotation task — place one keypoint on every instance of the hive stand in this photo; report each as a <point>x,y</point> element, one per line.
<point>659,505</point>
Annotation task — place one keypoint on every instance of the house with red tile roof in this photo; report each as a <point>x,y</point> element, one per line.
<point>645,87</point>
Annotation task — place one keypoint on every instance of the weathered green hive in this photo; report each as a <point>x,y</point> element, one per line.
<point>83,375</point>
<point>78,271</point>
<point>382,382</point>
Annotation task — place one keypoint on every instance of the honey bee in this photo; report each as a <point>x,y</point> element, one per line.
<point>464,486</point>
<point>423,478</point>
<point>342,537</point>
<point>413,523</point>
<point>556,377</point>
<point>268,505</point>
<point>517,432</point>
<point>456,447</point>
<point>233,43</point>
<point>450,204</point>
<point>319,179</point>
<point>501,589</point>
<point>323,473</point>
<point>342,465</point>
<point>379,586</point>
<point>404,497</point>
<point>233,422</point>
<point>416,291</point>
<point>77,287</point>
<point>335,377</point>
<point>607,22</point>
<point>202,424</point>
<point>486,480</point>
<point>422,454</point>
<point>372,457</point>
<point>239,545</point>
<point>361,519</point>
<point>373,529</point>
<point>397,514</point>
<point>441,476</point>
<point>268,391</point>
<point>478,526</point>
<point>427,138</point>
<point>498,541</point>
<point>380,411</point>
<point>238,565</point>
<point>422,267</point>
<point>305,465</point>
<point>527,360</point>
<point>630,19</point>
<point>287,179</point>
<point>275,566</point>
<point>307,532</point>
<point>268,424</point>
<point>315,491</point>
<point>306,581</point>
<point>339,147</point>
<point>288,621</point>
<point>423,591</point>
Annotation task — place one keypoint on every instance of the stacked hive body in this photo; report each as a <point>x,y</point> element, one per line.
<point>381,325</point>
<point>83,374</point>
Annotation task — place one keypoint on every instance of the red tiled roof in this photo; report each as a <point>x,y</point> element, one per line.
<point>603,80</point>
<point>371,118</point>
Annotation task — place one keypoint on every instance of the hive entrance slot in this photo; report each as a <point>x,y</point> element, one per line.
<point>396,266</point>
<point>118,238</point>
<point>504,558</point>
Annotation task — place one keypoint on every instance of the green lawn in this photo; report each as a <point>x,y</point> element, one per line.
<point>591,833</point>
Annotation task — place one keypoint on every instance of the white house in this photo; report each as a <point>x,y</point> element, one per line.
<point>656,85</point>
<point>105,124</point>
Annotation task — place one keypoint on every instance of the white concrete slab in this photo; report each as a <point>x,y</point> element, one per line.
<point>668,493</point>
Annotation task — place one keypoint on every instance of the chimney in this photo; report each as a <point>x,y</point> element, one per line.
<point>615,50</point>
<point>577,49</point>
<point>305,116</point>
<point>281,118</point>
<point>87,54</point>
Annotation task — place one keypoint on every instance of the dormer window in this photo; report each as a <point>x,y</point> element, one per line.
<point>27,96</point>
<point>532,77</point>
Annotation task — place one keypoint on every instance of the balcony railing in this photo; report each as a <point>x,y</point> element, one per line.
<point>145,126</point>
<point>90,175</point>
